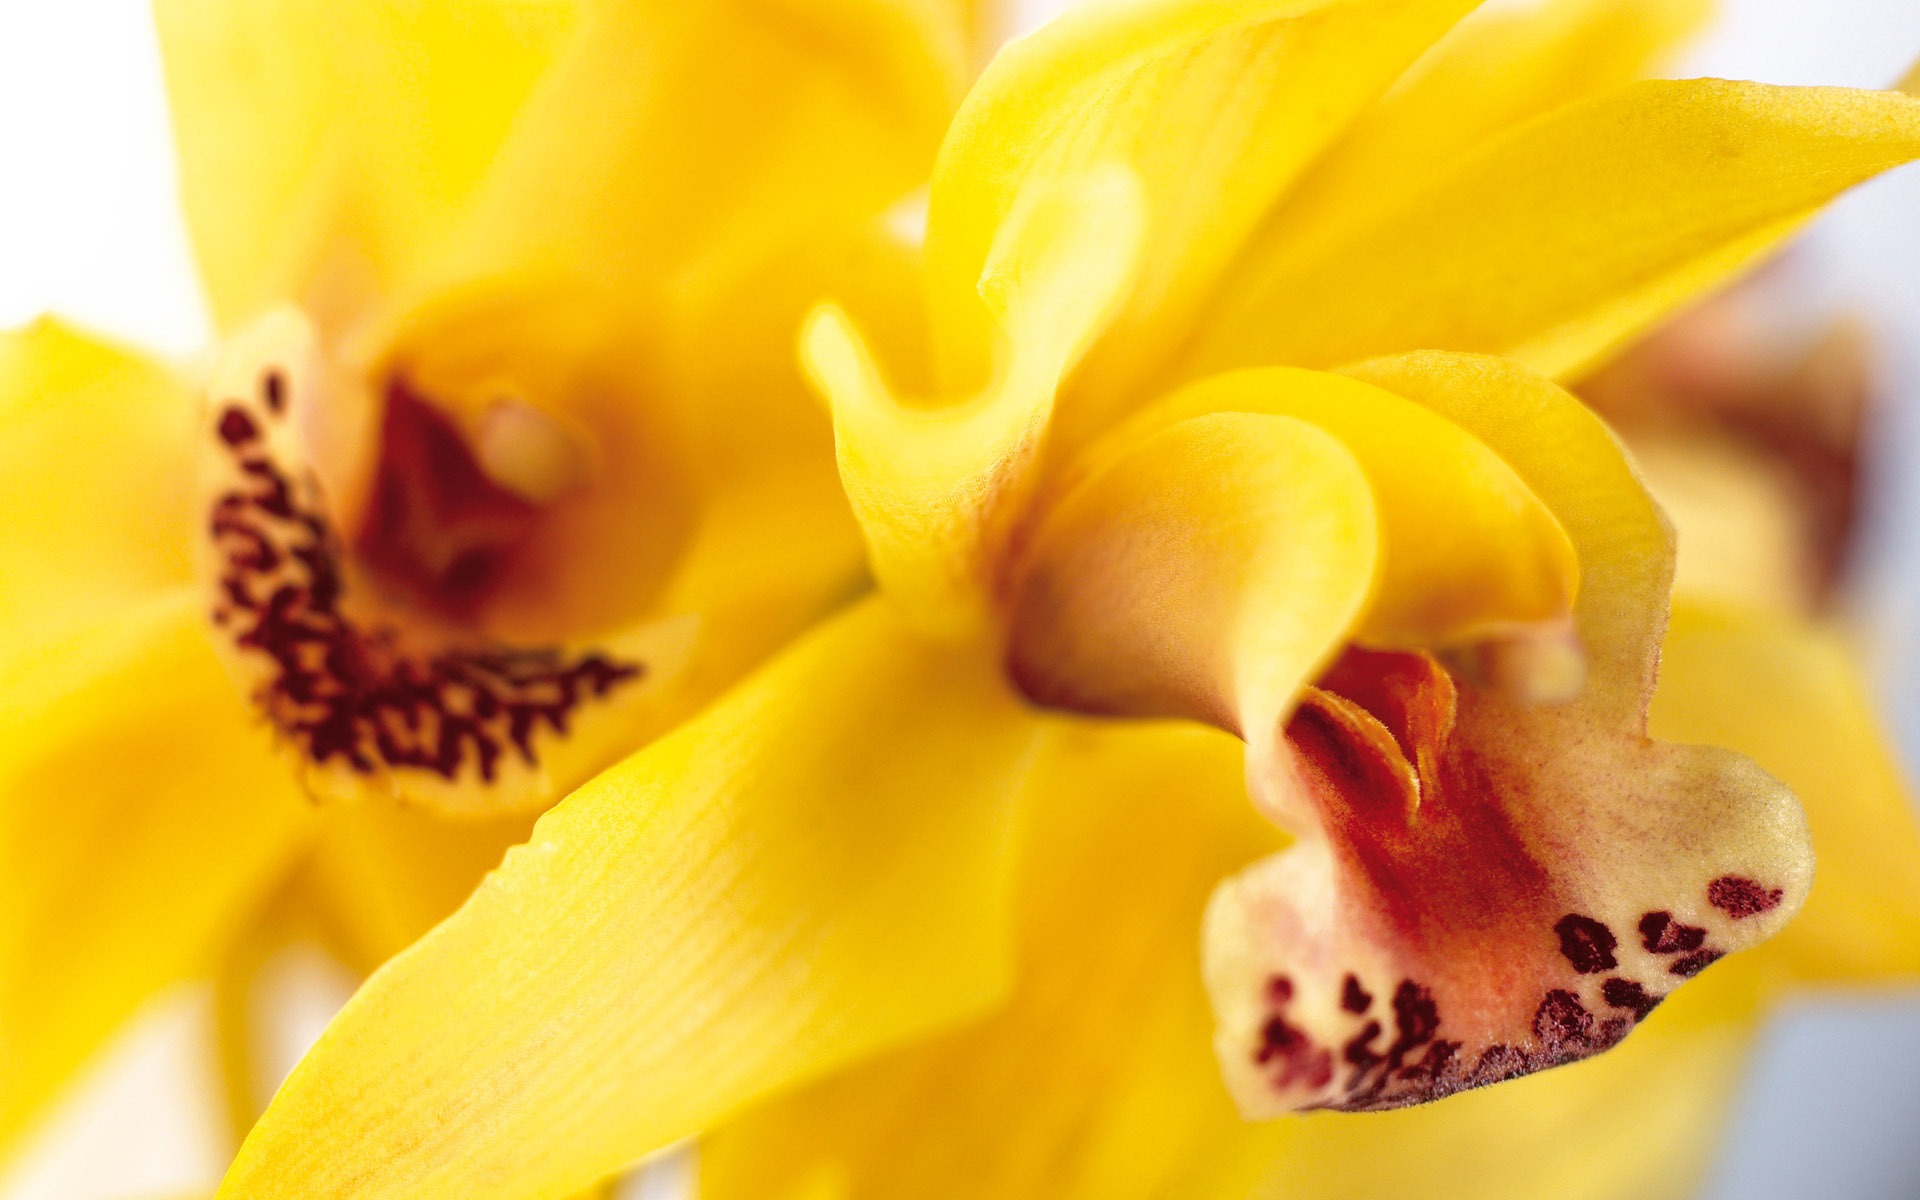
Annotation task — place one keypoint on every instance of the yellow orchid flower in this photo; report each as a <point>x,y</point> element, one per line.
<point>1137,1109</point>
<point>503,463</point>
<point>1426,592</point>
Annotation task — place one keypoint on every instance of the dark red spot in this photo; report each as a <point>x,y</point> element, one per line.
<point>1300,1061</point>
<point>1627,994</point>
<point>1693,964</point>
<point>1354,998</point>
<point>1562,1024</point>
<point>1500,1062</point>
<point>1416,1018</point>
<point>1434,1067</point>
<point>1279,989</point>
<point>1586,943</point>
<point>236,427</point>
<point>1740,897</point>
<point>1661,934</point>
<point>1361,1055</point>
<point>273,390</point>
<point>354,695</point>
<point>1415,1015</point>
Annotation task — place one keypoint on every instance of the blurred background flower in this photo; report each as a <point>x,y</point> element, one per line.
<point>1821,348</point>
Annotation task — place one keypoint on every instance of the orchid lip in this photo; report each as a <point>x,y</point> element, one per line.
<point>361,651</point>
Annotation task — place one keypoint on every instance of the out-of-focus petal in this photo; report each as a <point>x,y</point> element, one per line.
<point>1556,242</point>
<point>326,149</point>
<point>1788,694</point>
<point>815,869</point>
<point>96,472</point>
<point>141,812</point>
<point>672,136</point>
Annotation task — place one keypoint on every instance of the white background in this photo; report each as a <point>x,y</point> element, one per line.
<point>89,228</point>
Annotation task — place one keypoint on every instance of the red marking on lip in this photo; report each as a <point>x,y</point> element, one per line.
<point>1354,998</point>
<point>349,693</point>
<point>1586,943</point>
<point>1300,1061</point>
<point>273,391</point>
<point>236,427</point>
<point>1741,898</point>
<point>1562,1022</point>
<point>1661,934</point>
<point>1693,964</point>
<point>1627,994</point>
<point>438,531</point>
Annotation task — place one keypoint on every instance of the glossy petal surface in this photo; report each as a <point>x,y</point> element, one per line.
<point>1561,239</point>
<point>1495,70</point>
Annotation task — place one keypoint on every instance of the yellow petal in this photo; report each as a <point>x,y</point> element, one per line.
<point>1095,1081</point>
<point>1496,69</point>
<point>140,812</point>
<point>1574,464</point>
<point>1216,107</point>
<point>1204,570</point>
<point>1789,695</point>
<point>938,486</point>
<point>815,869</point>
<point>96,472</point>
<point>720,130</point>
<point>1485,886</point>
<point>1555,243</point>
<point>326,149</point>
<point>1466,548</point>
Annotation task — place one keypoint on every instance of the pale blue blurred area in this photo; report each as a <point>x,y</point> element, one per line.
<point>1830,1112</point>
